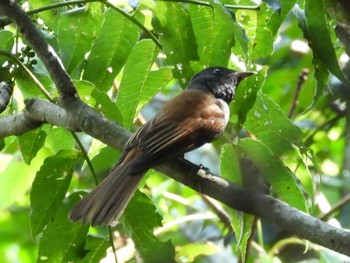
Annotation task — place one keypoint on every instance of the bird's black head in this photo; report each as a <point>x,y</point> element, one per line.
<point>222,82</point>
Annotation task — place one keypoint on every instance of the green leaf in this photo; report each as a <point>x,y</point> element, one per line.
<point>139,84</point>
<point>214,32</point>
<point>85,89</point>
<point>27,86</point>
<point>319,36</point>
<point>97,248</point>
<point>268,123</point>
<point>321,70</point>
<point>30,143</point>
<point>189,252</point>
<point>6,43</point>
<point>281,179</point>
<point>246,95</point>
<point>16,179</point>
<point>63,241</point>
<point>172,23</point>
<point>76,31</point>
<point>50,187</point>
<point>229,164</point>
<point>50,17</point>
<point>117,37</point>
<point>242,225</point>
<point>106,106</point>
<point>268,23</point>
<point>140,219</point>
<point>59,139</point>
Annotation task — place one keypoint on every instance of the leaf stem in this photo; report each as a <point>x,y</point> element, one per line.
<point>31,75</point>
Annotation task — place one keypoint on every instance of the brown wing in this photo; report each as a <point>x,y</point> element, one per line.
<point>196,120</point>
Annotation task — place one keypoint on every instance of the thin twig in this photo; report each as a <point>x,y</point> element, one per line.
<point>301,79</point>
<point>110,232</point>
<point>341,203</point>
<point>30,74</point>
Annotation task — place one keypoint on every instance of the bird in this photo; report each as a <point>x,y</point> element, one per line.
<point>193,118</point>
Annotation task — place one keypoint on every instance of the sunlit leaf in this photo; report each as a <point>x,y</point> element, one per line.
<point>76,31</point>
<point>189,252</point>
<point>117,37</point>
<point>30,143</point>
<point>139,84</point>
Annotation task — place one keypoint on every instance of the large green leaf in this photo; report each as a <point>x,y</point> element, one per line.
<point>267,122</point>
<point>282,180</point>
<point>319,36</point>
<point>172,23</point>
<point>214,31</point>
<point>117,37</point>
<point>139,84</point>
<point>140,219</point>
<point>50,187</point>
<point>76,31</point>
<point>30,143</point>
<point>61,240</point>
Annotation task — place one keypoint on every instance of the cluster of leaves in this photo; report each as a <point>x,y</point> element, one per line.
<point>120,58</point>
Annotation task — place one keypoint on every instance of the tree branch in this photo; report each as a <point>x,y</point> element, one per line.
<point>78,116</point>
<point>296,222</point>
<point>5,95</point>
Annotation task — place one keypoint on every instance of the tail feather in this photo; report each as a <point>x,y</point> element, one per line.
<point>108,200</point>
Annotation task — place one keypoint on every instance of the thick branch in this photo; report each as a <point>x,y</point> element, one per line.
<point>238,198</point>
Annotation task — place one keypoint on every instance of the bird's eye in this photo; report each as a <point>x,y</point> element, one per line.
<point>217,71</point>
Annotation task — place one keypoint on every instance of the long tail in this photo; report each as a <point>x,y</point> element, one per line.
<point>108,200</point>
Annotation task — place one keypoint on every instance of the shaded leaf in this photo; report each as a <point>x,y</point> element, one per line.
<point>319,36</point>
<point>97,248</point>
<point>140,219</point>
<point>50,187</point>
<point>321,71</point>
<point>281,179</point>
<point>63,241</point>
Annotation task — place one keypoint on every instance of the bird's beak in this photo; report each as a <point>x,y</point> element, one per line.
<point>243,75</point>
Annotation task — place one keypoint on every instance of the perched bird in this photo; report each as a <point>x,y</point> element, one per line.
<point>195,117</point>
